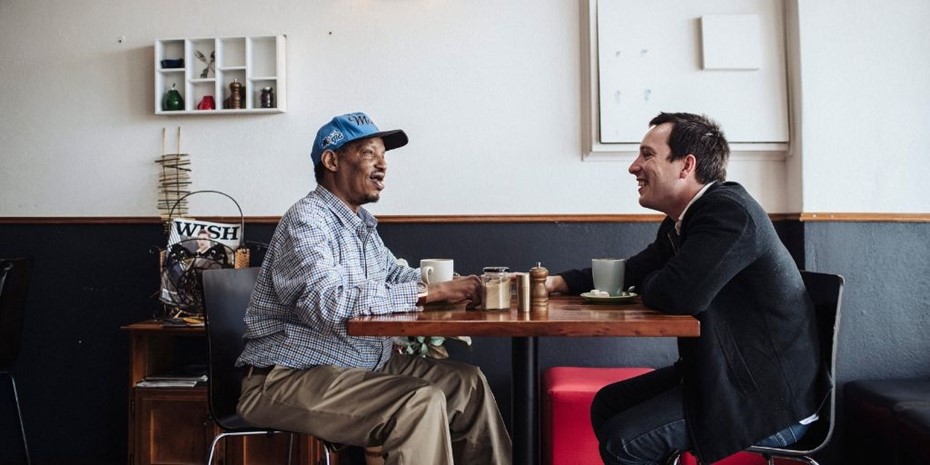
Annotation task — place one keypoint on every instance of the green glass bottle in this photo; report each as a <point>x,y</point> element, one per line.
<point>173,100</point>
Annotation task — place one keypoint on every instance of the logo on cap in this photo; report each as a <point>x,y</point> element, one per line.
<point>360,119</point>
<point>333,138</point>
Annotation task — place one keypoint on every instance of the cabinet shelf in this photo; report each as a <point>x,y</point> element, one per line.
<point>224,111</point>
<point>211,64</point>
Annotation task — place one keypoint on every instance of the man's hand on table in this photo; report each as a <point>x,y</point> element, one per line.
<point>556,284</point>
<point>459,289</point>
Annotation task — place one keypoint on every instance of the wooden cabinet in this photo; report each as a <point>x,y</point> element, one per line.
<point>204,68</point>
<point>173,425</point>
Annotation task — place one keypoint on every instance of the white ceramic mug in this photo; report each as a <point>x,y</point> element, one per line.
<point>436,270</point>
<point>608,274</point>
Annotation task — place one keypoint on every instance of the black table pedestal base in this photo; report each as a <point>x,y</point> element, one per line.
<point>525,401</point>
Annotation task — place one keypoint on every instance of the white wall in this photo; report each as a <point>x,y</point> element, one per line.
<point>865,72</point>
<point>488,91</point>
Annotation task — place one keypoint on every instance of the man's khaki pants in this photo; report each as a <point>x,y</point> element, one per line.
<point>421,411</point>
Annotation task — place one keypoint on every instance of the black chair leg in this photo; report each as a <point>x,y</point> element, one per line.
<point>19,416</point>
<point>674,459</point>
<point>328,450</point>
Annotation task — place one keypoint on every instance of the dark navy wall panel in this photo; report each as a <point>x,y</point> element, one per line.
<point>91,279</point>
<point>87,282</point>
<point>885,327</point>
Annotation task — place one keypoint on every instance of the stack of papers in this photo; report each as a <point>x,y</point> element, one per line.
<point>171,381</point>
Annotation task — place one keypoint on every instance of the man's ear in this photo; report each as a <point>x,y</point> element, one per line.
<point>689,167</point>
<point>330,160</point>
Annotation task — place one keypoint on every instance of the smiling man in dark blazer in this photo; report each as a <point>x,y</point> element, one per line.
<point>750,377</point>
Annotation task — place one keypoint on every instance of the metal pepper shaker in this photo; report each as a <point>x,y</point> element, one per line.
<point>523,292</point>
<point>235,94</point>
<point>539,297</point>
<point>267,98</point>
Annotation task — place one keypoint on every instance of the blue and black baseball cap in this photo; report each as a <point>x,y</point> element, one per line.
<point>350,127</point>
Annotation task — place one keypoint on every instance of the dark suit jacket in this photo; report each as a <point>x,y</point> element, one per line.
<point>752,371</point>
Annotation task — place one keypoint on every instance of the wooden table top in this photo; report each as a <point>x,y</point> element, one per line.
<point>567,316</point>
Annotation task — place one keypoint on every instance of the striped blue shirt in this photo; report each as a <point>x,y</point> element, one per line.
<point>325,264</point>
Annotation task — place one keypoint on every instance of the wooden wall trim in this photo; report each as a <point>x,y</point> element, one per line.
<point>388,219</point>
<point>867,217</point>
<point>484,219</point>
<point>630,218</point>
<point>79,220</point>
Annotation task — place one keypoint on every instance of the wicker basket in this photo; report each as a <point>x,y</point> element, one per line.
<point>180,290</point>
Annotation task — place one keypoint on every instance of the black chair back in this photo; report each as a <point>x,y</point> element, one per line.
<point>226,294</point>
<point>826,292</point>
<point>14,281</point>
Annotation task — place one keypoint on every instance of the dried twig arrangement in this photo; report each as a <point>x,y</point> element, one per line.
<point>174,180</point>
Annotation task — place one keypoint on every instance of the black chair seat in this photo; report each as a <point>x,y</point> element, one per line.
<point>234,423</point>
<point>872,430</point>
<point>887,393</point>
<point>914,432</point>
<point>915,419</point>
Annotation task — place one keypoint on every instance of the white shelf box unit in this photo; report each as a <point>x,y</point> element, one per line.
<point>255,62</point>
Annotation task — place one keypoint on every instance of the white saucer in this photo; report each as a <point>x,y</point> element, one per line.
<point>611,299</point>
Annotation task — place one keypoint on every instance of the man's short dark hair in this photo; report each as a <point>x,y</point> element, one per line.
<point>319,170</point>
<point>701,137</point>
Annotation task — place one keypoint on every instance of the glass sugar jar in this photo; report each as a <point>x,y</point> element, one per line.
<point>496,288</point>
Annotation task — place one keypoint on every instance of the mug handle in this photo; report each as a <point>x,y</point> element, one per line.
<point>425,272</point>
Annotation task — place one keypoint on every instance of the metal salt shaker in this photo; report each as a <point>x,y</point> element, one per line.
<point>523,292</point>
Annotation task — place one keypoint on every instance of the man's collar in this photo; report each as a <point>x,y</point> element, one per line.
<point>344,213</point>
<point>693,199</point>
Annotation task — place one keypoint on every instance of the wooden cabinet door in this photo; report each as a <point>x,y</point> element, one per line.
<point>259,450</point>
<point>172,426</point>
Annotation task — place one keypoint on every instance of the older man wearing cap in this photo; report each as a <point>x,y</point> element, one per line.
<point>326,264</point>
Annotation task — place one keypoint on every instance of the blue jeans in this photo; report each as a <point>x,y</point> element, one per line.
<point>785,437</point>
<point>641,421</point>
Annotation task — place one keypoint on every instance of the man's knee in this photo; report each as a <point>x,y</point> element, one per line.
<point>599,411</point>
<point>470,373</point>
<point>428,397</point>
<point>598,402</point>
<point>618,452</point>
<point>629,443</point>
